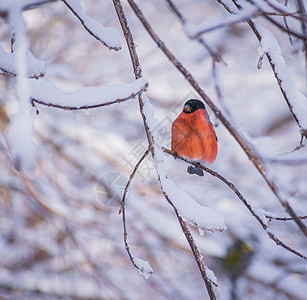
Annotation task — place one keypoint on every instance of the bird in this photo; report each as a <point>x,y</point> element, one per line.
<point>193,136</point>
<point>237,260</point>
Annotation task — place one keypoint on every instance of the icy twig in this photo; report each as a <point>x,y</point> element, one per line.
<point>250,152</point>
<point>271,217</point>
<point>108,36</point>
<point>253,211</point>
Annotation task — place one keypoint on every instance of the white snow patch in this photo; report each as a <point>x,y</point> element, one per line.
<point>211,276</point>
<point>144,267</point>
<point>261,213</point>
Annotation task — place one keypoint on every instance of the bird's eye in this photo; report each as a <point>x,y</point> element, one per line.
<point>187,108</point>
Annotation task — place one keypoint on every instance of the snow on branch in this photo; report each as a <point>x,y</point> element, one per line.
<point>108,36</point>
<point>296,101</point>
<point>271,216</point>
<point>35,67</point>
<point>45,93</point>
<point>144,267</point>
<point>204,218</point>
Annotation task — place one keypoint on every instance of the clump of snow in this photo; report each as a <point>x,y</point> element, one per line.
<point>144,267</point>
<point>211,276</point>
<point>261,213</point>
<point>35,67</point>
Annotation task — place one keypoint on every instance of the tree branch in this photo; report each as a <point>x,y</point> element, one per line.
<point>250,152</point>
<point>123,209</point>
<point>137,73</point>
<point>116,48</point>
<point>243,200</point>
<point>65,107</point>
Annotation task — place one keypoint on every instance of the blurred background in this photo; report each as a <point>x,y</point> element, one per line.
<point>61,231</point>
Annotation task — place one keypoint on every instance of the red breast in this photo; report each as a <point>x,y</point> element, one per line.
<point>193,136</point>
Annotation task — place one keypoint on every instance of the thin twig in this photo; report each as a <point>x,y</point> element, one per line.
<point>123,209</point>
<point>285,13</point>
<point>270,218</point>
<point>283,28</point>
<point>241,197</point>
<point>250,152</point>
<point>116,48</point>
<point>36,76</point>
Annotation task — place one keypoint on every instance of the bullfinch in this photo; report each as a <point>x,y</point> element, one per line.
<point>193,136</point>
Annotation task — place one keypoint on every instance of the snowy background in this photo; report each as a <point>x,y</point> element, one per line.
<point>63,167</point>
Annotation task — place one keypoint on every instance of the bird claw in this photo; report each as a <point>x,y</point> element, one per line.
<point>195,170</point>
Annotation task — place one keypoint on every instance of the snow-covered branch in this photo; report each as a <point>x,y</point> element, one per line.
<point>35,67</point>
<point>108,36</point>
<point>258,214</point>
<point>149,123</point>
<point>45,93</point>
